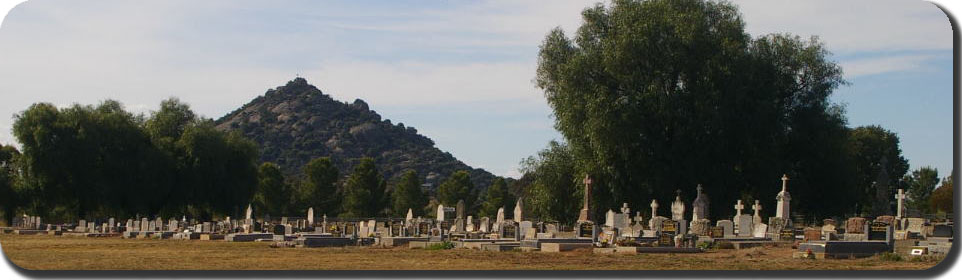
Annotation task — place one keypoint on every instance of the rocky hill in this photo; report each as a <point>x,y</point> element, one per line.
<point>296,122</point>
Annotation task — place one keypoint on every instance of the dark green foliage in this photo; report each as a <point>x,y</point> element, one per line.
<point>556,193</point>
<point>653,96</point>
<point>495,197</point>
<point>868,145</point>
<point>103,161</point>
<point>919,186</point>
<point>296,123</point>
<point>364,191</point>
<point>273,193</point>
<point>319,188</point>
<point>8,181</point>
<point>457,187</point>
<point>408,195</point>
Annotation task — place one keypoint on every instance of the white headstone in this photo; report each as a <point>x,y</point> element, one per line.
<point>250,212</point>
<point>500,218</point>
<point>678,208</point>
<point>900,197</point>
<point>783,198</point>
<point>699,208</point>
<point>654,208</point>
<point>759,230</point>
<point>409,217</point>
<point>310,216</point>
<point>440,215</point>
<point>757,218</point>
<point>518,214</point>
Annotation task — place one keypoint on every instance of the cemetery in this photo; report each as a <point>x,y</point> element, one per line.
<point>621,234</point>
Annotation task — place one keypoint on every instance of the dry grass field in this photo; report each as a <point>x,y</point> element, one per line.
<point>43,252</point>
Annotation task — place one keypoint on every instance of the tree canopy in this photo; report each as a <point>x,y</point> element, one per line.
<point>654,96</point>
<point>457,187</point>
<point>364,191</point>
<point>407,194</point>
<point>920,185</point>
<point>80,161</point>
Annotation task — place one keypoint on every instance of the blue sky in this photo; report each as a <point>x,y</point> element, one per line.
<point>459,71</point>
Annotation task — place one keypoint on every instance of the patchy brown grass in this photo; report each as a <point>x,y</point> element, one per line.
<point>78,253</point>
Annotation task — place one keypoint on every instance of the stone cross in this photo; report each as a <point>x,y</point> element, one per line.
<point>758,208</point>
<point>585,214</point>
<point>782,208</point>
<point>654,208</point>
<point>738,208</point>
<point>900,197</point>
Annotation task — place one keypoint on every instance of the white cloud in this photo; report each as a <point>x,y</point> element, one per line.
<point>853,25</point>
<point>881,65</point>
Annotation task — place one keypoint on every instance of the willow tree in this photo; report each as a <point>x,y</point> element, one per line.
<point>654,96</point>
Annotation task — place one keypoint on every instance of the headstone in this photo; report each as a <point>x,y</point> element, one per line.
<point>776,225</point>
<point>158,224</point>
<point>310,216</point>
<point>757,218</point>
<point>699,208</point>
<point>409,216</point>
<point>744,222</point>
<point>654,209</point>
<point>855,225</point>
<point>585,214</point>
<point>879,231</point>
<point>759,230</point>
<point>111,224</point>
<point>470,227</point>
<point>484,225</point>
<point>670,227</point>
<point>460,209</point>
<point>782,206</point>
<point>440,214</point>
<point>500,218</point>
<point>144,225</point>
<point>249,213</point>
<point>678,208</point>
<point>728,228</point>
<point>656,222</point>
<point>518,211</point>
<point>701,227</point>
<point>738,211</point>
<point>172,225</point>
<point>524,227</point>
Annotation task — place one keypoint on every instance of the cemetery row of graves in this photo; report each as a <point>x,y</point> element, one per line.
<point>621,232</point>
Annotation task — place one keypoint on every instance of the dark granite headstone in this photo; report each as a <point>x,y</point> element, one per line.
<point>586,230</point>
<point>878,231</point>
<point>941,231</point>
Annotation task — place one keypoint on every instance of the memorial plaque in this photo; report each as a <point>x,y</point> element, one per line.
<point>878,231</point>
<point>666,240</point>
<point>717,232</point>
<point>424,228</point>
<point>670,227</point>
<point>787,235</point>
<point>510,231</point>
<point>395,229</point>
<point>586,230</point>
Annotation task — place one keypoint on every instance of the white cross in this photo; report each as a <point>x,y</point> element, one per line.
<point>738,208</point>
<point>900,197</point>
<point>757,207</point>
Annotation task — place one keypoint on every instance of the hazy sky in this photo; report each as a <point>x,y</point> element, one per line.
<point>461,72</point>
